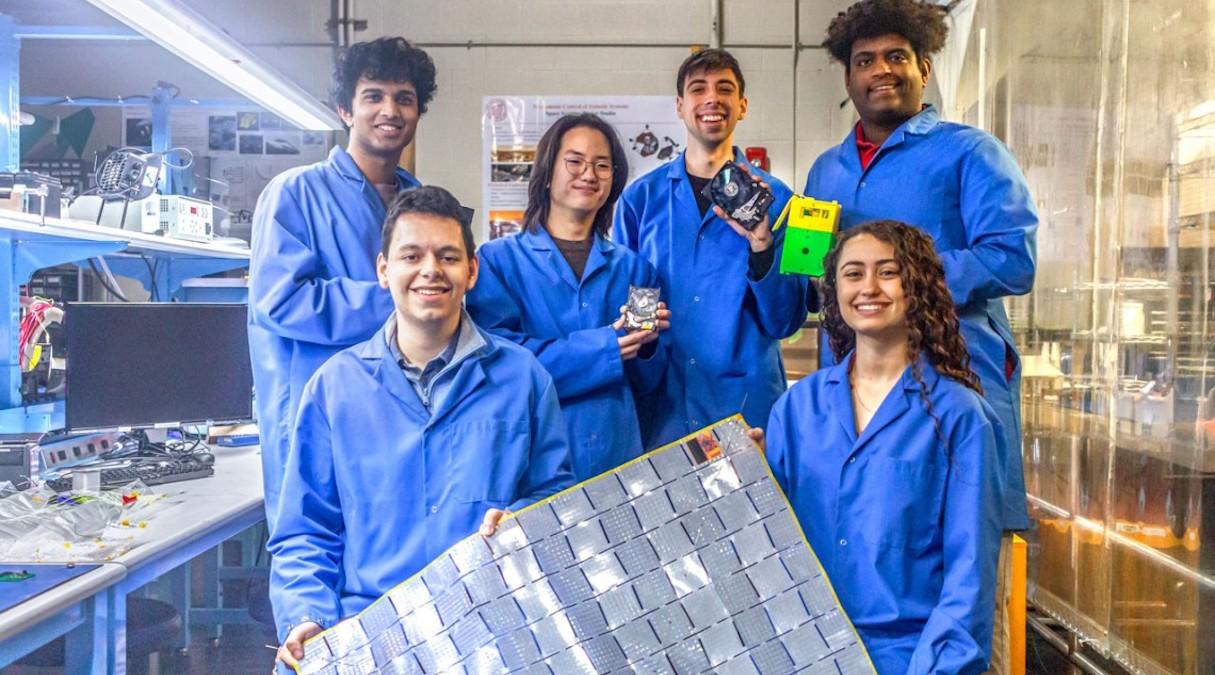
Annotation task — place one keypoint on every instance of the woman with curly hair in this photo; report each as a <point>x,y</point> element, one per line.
<point>889,458</point>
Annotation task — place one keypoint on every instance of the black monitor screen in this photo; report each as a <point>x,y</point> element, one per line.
<point>137,364</point>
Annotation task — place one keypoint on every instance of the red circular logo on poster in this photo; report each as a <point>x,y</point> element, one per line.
<point>496,109</point>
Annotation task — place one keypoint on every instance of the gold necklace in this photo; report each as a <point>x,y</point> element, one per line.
<point>857,395</point>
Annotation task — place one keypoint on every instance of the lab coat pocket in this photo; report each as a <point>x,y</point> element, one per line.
<point>491,456</point>
<point>905,508</point>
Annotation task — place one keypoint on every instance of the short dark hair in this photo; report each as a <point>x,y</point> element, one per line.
<point>706,60</point>
<point>540,182</point>
<point>921,23</point>
<point>428,200</point>
<point>388,59</point>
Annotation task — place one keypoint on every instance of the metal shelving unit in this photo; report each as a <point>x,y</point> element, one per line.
<point>29,243</point>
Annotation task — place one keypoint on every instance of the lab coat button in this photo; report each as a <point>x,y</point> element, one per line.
<point>434,509</point>
<point>695,298</point>
<point>691,362</point>
<point>852,460</point>
<point>862,183</point>
<point>843,542</point>
<point>585,305</point>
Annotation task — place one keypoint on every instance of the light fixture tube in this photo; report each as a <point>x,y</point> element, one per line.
<point>184,32</point>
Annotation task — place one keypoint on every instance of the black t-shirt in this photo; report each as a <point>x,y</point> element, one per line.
<point>575,253</point>
<point>698,187</point>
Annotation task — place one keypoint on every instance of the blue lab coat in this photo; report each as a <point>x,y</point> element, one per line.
<point>725,328</point>
<point>907,527</point>
<point>312,288</point>
<point>378,487</point>
<point>527,293</point>
<point>961,186</point>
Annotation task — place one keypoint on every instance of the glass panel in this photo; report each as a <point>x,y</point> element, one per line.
<point>1109,107</point>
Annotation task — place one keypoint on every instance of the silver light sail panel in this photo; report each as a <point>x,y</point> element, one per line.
<point>686,560</point>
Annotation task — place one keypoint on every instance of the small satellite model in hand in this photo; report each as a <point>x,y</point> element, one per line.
<point>641,313</point>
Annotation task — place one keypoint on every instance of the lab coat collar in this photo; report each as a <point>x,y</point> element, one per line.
<point>840,398</point>
<point>839,373</point>
<point>376,354</point>
<point>677,170</point>
<point>890,409</point>
<point>344,164</point>
<point>919,124</point>
<point>923,121</point>
<point>464,343</point>
<point>541,240</point>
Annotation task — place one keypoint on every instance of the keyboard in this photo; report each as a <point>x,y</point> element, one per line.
<point>151,472</point>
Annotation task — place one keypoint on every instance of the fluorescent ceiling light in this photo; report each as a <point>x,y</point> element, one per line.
<point>182,31</point>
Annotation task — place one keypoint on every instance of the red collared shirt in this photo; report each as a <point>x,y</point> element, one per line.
<point>864,148</point>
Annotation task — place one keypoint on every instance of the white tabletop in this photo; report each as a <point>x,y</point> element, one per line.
<point>189,511</point>
<point>193,507</point>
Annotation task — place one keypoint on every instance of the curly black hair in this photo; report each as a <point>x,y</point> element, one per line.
<point>921,22</point>
<point>388,59</point>
<point>933,329</point>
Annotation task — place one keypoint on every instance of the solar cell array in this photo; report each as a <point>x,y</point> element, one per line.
<point>687,560</point>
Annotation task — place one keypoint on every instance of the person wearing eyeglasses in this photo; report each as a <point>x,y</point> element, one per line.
<point>732,303</point>
<point>558,288</point>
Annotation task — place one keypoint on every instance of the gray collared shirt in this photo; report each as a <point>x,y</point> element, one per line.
<point>432,381</point>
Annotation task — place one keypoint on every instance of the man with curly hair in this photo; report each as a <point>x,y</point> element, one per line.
<point>312,278</point>
<point>958,184</point>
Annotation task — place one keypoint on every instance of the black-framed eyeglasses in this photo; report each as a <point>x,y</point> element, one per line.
<point>576,165</point>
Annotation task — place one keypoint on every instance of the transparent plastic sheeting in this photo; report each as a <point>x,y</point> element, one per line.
<point>686,560</point>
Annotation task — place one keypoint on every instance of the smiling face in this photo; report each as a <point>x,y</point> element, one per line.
<point>869,289</point>
<point>383,118</point>
<point>885,80</point>
<point>582,177</point>
<point>428,270</point>
<point>711,106</point>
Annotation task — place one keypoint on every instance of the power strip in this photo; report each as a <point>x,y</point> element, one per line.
<point>76,449</point>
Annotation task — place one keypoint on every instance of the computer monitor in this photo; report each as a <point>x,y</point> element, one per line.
<point>148,364</point>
